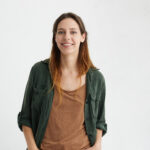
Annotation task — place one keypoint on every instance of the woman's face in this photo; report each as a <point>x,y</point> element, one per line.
<point>68,36</point>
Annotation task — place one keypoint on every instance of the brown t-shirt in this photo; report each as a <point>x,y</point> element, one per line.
<point>65,129</point>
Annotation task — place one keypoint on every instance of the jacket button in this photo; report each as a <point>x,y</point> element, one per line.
<point>86,101</point>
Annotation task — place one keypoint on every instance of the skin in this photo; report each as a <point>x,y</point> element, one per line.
<point>69,69</point>
<point>68,32</point>
<point>67,35</point>
<point>97,145</point>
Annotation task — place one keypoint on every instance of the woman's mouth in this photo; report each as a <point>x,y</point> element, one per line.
<point>66,44</point>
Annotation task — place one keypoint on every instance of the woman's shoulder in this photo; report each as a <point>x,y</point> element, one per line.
<point>41,64</point>
<point>97,74</point>
<point>40,68</point>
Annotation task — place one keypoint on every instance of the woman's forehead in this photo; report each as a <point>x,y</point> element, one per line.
<point>68,23</point>
<point>60,28</point>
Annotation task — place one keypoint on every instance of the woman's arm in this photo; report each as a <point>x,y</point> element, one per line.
<point>29,138</point>
<point>24,116</point>
<point>98,137</point>
<point>97,145</point>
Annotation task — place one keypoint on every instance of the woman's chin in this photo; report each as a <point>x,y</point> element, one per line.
<point>68,52</point>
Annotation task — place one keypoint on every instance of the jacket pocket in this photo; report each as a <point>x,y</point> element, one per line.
<point>37,99</point>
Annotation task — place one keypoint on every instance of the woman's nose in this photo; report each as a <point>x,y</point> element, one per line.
<point>67,36</point>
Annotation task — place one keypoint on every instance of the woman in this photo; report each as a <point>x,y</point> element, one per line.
<point>64,101</point>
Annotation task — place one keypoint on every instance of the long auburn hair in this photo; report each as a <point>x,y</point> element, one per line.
<point>84,62</point>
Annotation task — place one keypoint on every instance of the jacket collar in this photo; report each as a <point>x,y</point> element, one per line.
<point>46,61</point>
<point>90,71</point>
<point>89,78</point>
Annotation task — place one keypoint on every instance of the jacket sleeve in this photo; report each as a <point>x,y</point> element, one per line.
<point>24,116</point>
<point>101,123</point>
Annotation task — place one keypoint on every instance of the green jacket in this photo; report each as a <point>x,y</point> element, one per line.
<point>37,102</point>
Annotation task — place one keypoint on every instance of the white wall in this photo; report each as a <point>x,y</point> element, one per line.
<point>119,44</point>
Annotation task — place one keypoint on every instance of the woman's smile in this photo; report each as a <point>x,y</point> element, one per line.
<point>66,45</point>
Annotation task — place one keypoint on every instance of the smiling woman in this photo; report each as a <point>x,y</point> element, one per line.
<point>64,101</point>
<point>68,37</point>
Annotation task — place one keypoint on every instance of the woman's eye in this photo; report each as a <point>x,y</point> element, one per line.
<point>60,32</point>
<point>73,32</point>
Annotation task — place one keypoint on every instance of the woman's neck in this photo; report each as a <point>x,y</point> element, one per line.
<point>69,64</point>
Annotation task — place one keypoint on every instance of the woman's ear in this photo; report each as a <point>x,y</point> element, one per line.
<point>83,37</point>
<point>55,39</point>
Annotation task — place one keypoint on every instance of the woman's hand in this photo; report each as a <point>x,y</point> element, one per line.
<point>95,147</point>
<point>34,149</point>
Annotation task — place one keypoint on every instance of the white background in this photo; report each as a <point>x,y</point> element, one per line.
<point>119,44</point>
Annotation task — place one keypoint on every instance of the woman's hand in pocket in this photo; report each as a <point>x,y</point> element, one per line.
<point>34,149</point>
<point>95,147</point>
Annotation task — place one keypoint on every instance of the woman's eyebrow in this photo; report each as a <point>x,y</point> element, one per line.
<point>69,28</point>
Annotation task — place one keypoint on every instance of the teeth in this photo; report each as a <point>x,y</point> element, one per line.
<point>67,44</point>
